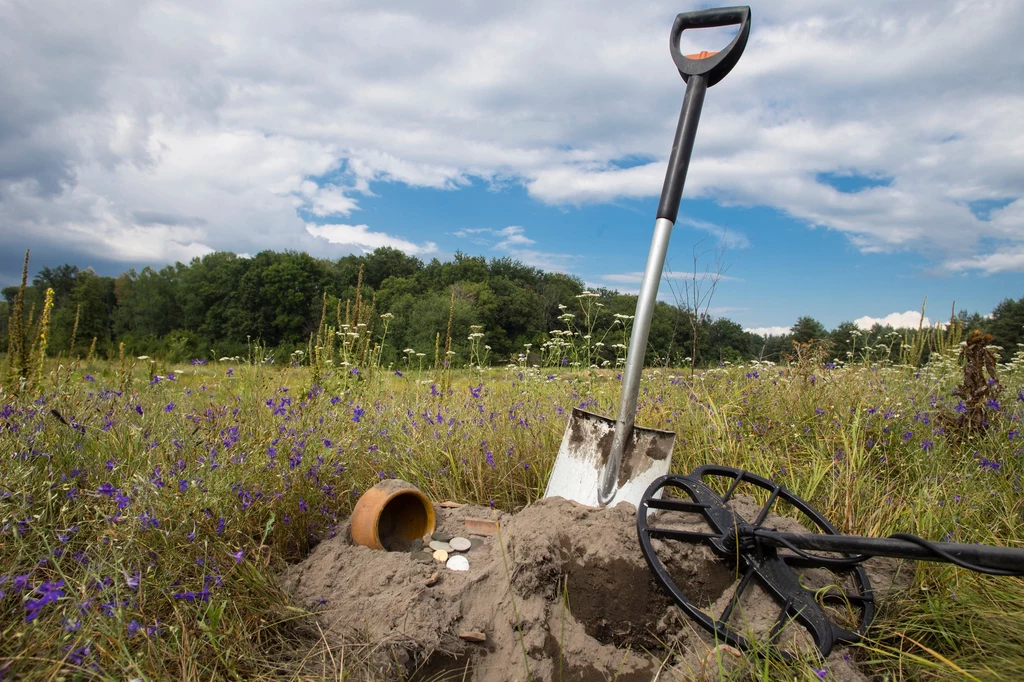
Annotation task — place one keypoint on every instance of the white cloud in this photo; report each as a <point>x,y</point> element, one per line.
<point>678,278</point>
<point>512,241</point>
<point>330,200</point>
<point>768,331</point>
<point>908,320</point>
<point>724,237</point>
<point>1007,261</point>
<point>251,121</point>
<point>360,237</point>
<point>513,237</point>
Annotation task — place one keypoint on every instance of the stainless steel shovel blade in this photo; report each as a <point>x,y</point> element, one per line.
<point>586,450</point>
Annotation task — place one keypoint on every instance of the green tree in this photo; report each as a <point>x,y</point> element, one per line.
<point>971,321</point>
<point>554,289</point>
<point>147,303</point>
<point>807,329</point>
<point>385,262</point>
<point>845,339</point>
<point>726,341</point>
<point>1007,326</point>
<point>92,295</point>
<point>61,279</point>
<point>210,299</point>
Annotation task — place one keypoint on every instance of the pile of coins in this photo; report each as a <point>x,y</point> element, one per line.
<point>446,549</point>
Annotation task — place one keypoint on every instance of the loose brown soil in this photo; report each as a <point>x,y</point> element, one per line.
<point>563,593</point>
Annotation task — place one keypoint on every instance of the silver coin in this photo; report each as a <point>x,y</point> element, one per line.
<point>441,556</point>
<point>458,563</point>
<point>460,544</point>
<point>437,544</point>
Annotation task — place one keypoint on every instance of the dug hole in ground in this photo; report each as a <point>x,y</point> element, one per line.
<point>561,593</point>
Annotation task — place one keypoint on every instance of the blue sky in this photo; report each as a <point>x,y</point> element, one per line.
<point>852,164</point>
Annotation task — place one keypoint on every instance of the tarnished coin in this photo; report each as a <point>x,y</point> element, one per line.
<point>460,544</point>
<point>441,536</point>
<point>458,563</point>
<point>423,557</point>
<point>416,545</point>
<point>441,556</point>
<point>437,544</point>
<point>476,543</point>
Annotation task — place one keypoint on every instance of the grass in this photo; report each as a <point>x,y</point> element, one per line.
<point>146,509</point>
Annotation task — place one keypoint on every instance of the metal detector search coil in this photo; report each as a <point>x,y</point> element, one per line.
<point>770,558</point>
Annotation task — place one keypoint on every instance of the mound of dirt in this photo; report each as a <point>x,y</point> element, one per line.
<point>561,593</point>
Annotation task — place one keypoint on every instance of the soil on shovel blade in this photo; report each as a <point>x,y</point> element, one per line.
<point>562,593</point>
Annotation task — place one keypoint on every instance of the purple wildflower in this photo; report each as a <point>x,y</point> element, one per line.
<point>193,596</point>
<point>357,413</point>
<point>987,464</point>
<point>78,656</point>
<point>49,592</point>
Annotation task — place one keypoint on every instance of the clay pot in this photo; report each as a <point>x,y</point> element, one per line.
<point>390,515</point>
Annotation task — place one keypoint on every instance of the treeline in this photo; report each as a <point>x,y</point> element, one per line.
<point>220,304</point>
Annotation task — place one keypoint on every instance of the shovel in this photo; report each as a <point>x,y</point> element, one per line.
<point>603,461</point>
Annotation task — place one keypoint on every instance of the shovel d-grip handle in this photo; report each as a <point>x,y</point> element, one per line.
<point>700,73</point>
<point>717,64</point>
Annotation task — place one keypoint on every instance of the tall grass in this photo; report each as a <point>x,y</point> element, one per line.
<point>145,508</point>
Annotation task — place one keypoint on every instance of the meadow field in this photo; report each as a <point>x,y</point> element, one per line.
<point>146,508</point>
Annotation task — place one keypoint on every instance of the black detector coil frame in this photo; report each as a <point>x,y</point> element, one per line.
<point>751,549</point>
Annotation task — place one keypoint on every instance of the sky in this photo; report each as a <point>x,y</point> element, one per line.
<point>861,157</point>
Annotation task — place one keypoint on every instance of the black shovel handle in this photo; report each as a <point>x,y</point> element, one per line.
<point>700,74</point>
<point>717,65</point>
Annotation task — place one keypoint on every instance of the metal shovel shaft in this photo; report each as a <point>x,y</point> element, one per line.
<point>668,209</point>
